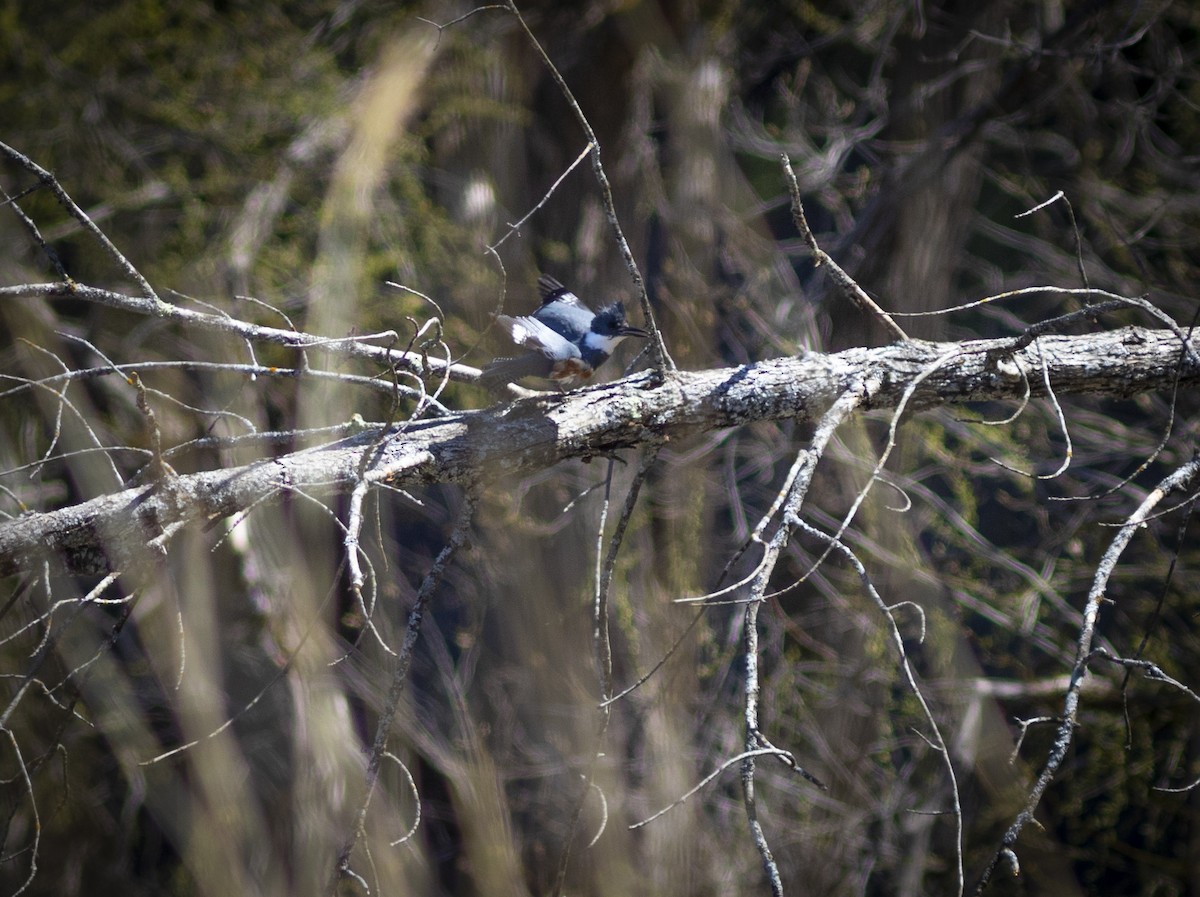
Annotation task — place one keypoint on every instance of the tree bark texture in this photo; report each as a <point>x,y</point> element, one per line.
<point>111,532</point>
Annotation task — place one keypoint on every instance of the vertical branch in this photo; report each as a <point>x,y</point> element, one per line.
<point>604,571</point>
<point>605,564</point>
<point>845,282</point>
<point>1183,478</point>
<point>399,677</point>
<point>800,479</point>
<point>754,741</point>
<point>658,348</point>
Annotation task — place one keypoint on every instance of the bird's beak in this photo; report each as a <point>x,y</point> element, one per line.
<point>634,331</point>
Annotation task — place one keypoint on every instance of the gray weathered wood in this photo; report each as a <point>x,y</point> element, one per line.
<point>112,531</point>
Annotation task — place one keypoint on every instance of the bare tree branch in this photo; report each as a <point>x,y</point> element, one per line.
<point>383,729</point>
<point>349,347</point>
<point>1183,479</point>
<point>845,282</point>
<point>111,531</point>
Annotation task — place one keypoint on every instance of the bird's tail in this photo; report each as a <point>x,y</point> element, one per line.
<point>503,371</point>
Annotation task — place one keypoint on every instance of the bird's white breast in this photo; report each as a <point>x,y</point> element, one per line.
<point>598,341</point>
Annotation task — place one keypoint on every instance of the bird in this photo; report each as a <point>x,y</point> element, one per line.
<point>568,340</point>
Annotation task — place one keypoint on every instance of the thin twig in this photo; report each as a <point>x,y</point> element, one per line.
<point>745,755</point>
<point>350,347</point>
<point>37,822</point>
<point>1182,479</point>
<point>845,282</point>
<point>1083,278</point>
<point>79,215</point>
<point>513,228</point>
<point>391,706</point>
<point>605,564</point>
<point>658,348</point>
<point>936,741</point>
<point>1062,422</point>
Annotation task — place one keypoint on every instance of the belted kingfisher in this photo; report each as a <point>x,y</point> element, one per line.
<point>568,339</point>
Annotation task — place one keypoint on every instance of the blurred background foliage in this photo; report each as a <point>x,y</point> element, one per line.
<point>305,154</point>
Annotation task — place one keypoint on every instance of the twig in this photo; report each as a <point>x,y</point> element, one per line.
<point>513,228</point>
<point>845,282</point>
<point>760,752</point>
<point>391,706</point>
<point>658,348</point>
<point>658,664</point>
<point>1182,479</point>
<point>412,787</point>
<point>37,822</point>
<point>936,742</point>
<point>349,347</point>
<point>605,564</point>
<point>462,18</point>
<point>79,215</point>
<point>1062,422</point>
<point>1083,278</point>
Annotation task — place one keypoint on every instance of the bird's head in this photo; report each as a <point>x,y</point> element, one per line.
<point>610,324</point>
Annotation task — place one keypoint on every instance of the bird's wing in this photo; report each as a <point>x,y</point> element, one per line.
<point>552,291</point>
<point>509,370</point>
<point>548,285</point>
<point>533,334</point>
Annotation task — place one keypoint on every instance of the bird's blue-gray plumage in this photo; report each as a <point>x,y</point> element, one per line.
<point>566,339</point>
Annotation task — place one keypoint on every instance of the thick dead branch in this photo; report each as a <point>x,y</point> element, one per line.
<point>113,531</point>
